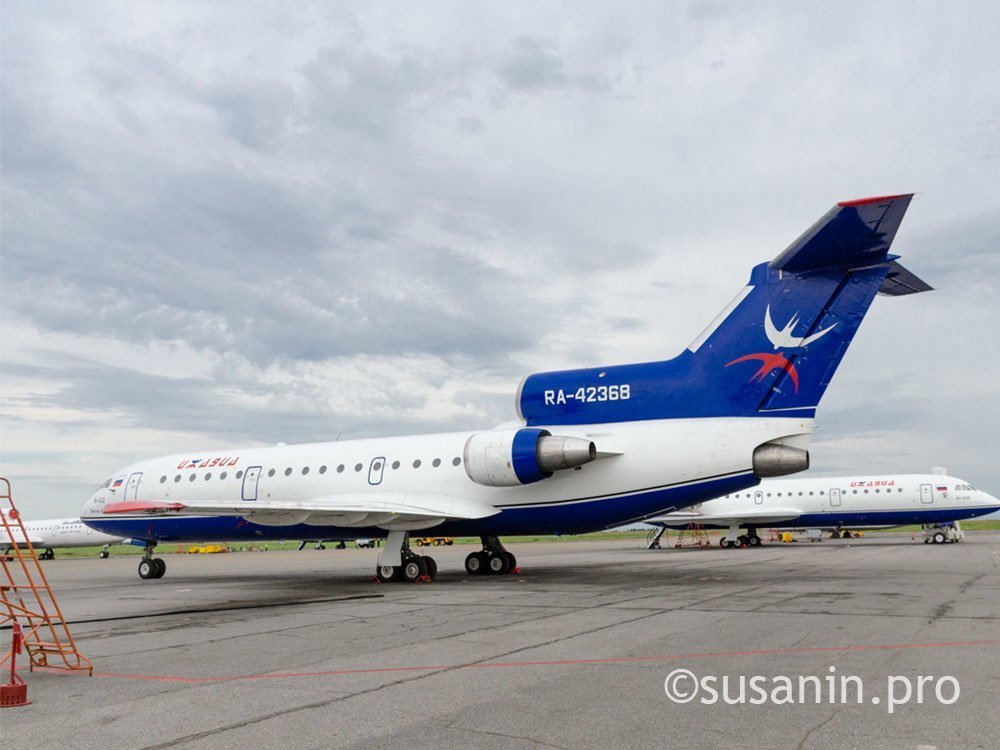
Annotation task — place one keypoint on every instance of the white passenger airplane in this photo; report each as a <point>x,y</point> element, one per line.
<point>833,502</point>
<point>57,533</point>
<point>593,449</point>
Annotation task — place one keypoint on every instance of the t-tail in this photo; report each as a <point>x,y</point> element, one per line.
<point>771,352</point>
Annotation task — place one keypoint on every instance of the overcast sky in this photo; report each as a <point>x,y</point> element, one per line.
<point>238,224</point>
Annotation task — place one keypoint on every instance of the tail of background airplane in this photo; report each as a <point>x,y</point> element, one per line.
<point>772,351</point>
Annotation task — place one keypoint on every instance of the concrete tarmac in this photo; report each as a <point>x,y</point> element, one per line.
<point>303,650</point>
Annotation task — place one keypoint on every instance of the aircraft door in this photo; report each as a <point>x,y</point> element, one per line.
<point>132,486</point>
<point>375,470</point>
<point>926,494</point>
<point>834,498</point>
<point>250,480</point>
<point>758,497</point>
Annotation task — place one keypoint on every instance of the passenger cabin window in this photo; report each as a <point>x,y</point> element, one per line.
<point>191,478</point>
<point>270,472</point>
<point>163,479</point>
<point>322,469</point>
<point>223,475</point>
<point>357,467</point>
<point>239,474</point>
<point>395,464</point>
<point>177,478</point>
<point>456,461</point>
<point>288,471</point>
<point>340,469</point>
<point>436,462</point>
<point>416,464</point>
<point>305,470</point>
<point>208,476</point>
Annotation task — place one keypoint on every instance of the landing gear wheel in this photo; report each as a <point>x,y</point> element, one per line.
<point>160,567</point>
<point>388,573</point>
<point>754,541</point>
<point>147,569</point>
<point>103,554</point>
<point>432,567</point>
<point>511,562</point>
<point>475,563</point>
<point>413,569</point>
<point>498,564</point>
<point>724,543</point>
<point>938,537</point>
<point>744,540</point>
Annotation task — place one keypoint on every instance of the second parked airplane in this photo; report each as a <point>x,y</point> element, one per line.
<point>834,502</point>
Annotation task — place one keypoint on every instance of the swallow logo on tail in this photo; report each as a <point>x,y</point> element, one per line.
<point>781,339</point>
<point>784,339</point>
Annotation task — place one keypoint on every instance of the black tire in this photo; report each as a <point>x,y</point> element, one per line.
<point>414,569</point>
<point>147,569</point>
<point>475,563</point>
<point>754,541</point>
<point>388,573</point>
<point>939,537</point>
<point>431,566</point>
<point>511,561</point>
<point>724,543</point>
<point>161,567</point>
<point>498,563</point>
<point>103,554</point>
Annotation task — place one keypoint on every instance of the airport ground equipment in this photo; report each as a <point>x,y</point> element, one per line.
<point>435,541</point>
<point>15,692</point>
<point>943,533</point>
<point>692,536</point>
<point>27,599</point>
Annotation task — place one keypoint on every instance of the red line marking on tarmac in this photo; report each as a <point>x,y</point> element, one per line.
<point>550,663</point>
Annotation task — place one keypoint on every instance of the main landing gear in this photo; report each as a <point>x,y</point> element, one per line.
<point>149,566</point>
<point>732,538</point>
<point>398,563</point>
<point>492,560</point>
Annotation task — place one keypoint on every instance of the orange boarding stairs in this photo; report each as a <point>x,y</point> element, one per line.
<point>27,598</point>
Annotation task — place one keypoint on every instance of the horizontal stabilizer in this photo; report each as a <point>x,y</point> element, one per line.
<point>900,281</point>
<point>852,234</point>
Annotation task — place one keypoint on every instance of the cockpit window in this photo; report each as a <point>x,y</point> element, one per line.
<point>105,485</point>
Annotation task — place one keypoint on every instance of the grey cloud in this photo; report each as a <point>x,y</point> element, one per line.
<point>534,64</point>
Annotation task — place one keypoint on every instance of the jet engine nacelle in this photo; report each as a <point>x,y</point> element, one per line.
<point>774,460</point>
<point>507,458</point>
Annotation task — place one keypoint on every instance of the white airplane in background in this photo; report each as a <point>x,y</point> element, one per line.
<point>57,533</point>
<point>834,502</point>
<point>594,448</point>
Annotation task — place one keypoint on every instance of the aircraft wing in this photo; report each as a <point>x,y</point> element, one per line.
<point>752,516</point>
<point>388,510</point>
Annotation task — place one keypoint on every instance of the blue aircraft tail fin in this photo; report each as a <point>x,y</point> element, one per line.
<point>772,351</point>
